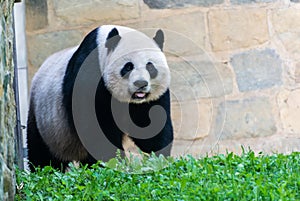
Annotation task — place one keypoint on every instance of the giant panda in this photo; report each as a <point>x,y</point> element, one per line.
<point>134,74</point>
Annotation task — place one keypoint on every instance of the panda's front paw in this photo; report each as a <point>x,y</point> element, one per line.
<point>131,150</point>
<point>73,164</point>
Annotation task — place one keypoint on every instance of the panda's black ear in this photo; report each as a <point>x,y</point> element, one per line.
<point>159,39</point>
<point>112,40</point>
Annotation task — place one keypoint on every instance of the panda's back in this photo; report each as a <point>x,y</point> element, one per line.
<point>46,85</point>
<point>46,91</point>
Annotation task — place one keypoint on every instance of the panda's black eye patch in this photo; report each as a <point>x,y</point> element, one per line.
<point>128,67</point>
<point>151,69</point>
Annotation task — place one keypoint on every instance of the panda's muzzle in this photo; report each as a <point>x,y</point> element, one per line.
<point>141,93</point>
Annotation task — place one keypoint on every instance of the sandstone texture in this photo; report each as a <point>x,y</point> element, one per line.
<point>181,38</point>
<point>199,79</point>
<point>289,102</point>
<point>192,119</point>
<point>252,23</point>
<point>50,42</point>
<point>285,20</point>
<point>90,11</point>
<point>246,118</point>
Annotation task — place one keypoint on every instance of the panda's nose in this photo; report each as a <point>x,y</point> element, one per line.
<point>140,83</point>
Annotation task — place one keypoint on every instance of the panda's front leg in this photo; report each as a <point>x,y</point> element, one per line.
<point>131,150</point>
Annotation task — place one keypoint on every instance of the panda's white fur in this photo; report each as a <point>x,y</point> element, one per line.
<point>46,89</point>
<point>46,98</point>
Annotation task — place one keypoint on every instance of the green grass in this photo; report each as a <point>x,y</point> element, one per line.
<point>221,177</point>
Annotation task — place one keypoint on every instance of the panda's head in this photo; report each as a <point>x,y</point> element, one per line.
<point>136,70</point>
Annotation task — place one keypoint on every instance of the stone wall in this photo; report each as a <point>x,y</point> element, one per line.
<point>7,102</point>
<point>235,63</point>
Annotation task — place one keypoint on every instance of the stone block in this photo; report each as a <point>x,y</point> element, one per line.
<point>291,43</point>
<point>233,29</point>
<point>286,24</point>
<point>286,20</point>
<point>239,2</point>
<point>81,12</point>
<point>246,118</point>
<point>289,106</point>
<point>36,14</point>
<point>257,69</point>
<point>181,37</point>
<point>194,79</point>
<point>192,119</point>
<point>161,4</point>
<point>41,46</point>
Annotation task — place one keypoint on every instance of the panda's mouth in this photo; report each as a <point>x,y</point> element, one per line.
<point>139,95</point>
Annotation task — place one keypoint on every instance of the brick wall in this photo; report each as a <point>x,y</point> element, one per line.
<point>235,63</point>
<point>7,102</point>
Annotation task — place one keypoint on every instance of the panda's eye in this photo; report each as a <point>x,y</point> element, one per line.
<point>128,67</point>
<point>151,69</point>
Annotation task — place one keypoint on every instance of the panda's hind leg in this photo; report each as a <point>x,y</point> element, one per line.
<point>38,152</point>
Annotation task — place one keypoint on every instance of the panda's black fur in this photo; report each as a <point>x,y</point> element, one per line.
<point>39,153</point>
<point>137,112</point>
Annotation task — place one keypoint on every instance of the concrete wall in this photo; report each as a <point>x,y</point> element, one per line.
<point>7,102</point>
<point>235,63</point>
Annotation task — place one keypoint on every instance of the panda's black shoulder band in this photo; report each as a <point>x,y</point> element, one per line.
<point>88,45</point>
